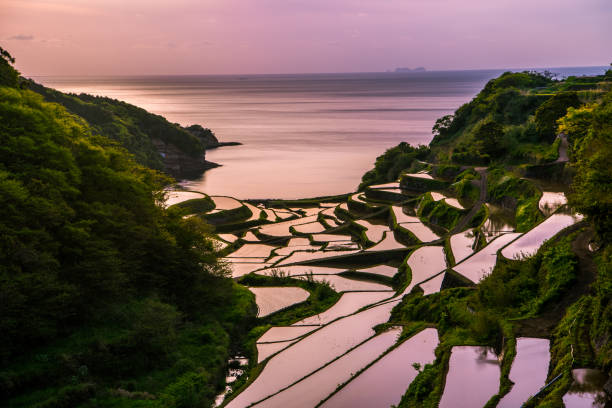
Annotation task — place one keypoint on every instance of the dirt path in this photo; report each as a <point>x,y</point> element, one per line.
<point>563,157</point>
<point>543,325</point>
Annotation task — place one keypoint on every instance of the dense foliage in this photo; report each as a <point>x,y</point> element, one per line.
<point>518,194</point>
<point>389,165</point>
<point>8,76</point>
<point>101,288</point>
<point>513,119</point>
<point>503,100</point>
<point>133,127</point>
<point>590,132</point>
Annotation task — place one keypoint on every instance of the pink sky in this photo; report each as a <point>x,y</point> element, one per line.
<point>90,37</point>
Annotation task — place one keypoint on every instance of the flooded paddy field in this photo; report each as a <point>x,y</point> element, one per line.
<point>462,245</point>
<point>270,300</point>
<point>528,372</point>
<point>529,243</point>
<point>586,390</point>
<point>551,201</point>
<point>353,247</point>
<point>424,263</point>
<point>388,378</point>
<point>349,303</point>
<point>482,262</point>
<point>312,352</point>
<point>312,389</point>
<point>473,377</point>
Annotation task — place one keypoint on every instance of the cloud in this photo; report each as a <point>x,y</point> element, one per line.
<point>21,37</point>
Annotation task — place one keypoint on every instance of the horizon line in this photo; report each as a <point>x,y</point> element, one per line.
<point>324,73</point>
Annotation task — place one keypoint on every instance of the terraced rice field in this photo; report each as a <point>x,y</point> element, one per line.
<point>528,244</point>
<point>419,175</point>
<point>388,378</point>
<point>341,245</point>
<point>421,231</point>
<point>586,389</point>
<point>391,185</point>
<point>252,251</point>
<point>288,250</point>
<point>312,352</point>
<point>309,391</point>
<point>225,203</point>
<point>462,244</point>
<point>307,359</point>
<point>281,229</point>
<point>286,333</point>
<point>424,263</point>
<point>228,237</point>
<point>401,217</point>
<point>298,257</point>
<point>250,236</point>
<point>294,270</point>
<point>349,303</point>
<point>265,350</point>
<point>432,285</point>
<point>240,268</point>
<point>437,196</point>
<point>528,372</point>
<point>309,228</point>
<point>307,211</point>
<point>482,262</point>
<point>254,210</point>
<point>374,232</point>
<point>472,379</point>
<point>330,237</point>
<point>551,201</point>
<point>500,222</point>
<point>388,243</point>
<point>453,202</point>
<point>342,284</point>
<point>382,270</point>
<point>273,299</point>
<point>175,197</point>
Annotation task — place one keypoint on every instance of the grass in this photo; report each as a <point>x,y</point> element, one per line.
<point>439,213</point>
<point>422,184</point>
<point>510,191</point>
<point>322,296</point>
<point>196,205</point>
<point>233,216</point>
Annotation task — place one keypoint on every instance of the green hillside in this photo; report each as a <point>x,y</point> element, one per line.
<point>102,289</point>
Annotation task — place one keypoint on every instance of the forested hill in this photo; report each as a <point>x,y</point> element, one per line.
<point>101,288</point>
<point>154,142</point>
<point>514,118</point>
<point>522,134</point>
<point>514,121</point>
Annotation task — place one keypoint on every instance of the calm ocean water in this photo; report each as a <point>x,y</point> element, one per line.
<point>303,135</point>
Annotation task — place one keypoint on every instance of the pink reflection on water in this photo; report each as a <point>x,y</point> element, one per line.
<point>473,377</point>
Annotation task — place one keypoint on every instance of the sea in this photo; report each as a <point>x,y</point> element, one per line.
<point>302,135</point>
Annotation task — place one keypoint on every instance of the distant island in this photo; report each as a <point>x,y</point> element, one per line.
<point>404,69</point>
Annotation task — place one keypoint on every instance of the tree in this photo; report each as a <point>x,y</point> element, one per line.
<point>489,135</point>
<point>6,56</point>
<point>8,75</point>
<point>549,112</point>
<point>441,127</point>
<point>591,192</point>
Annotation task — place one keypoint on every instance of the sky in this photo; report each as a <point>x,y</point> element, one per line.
<point>133,37</point>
